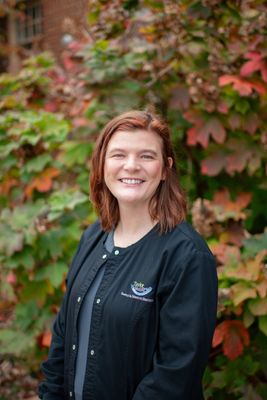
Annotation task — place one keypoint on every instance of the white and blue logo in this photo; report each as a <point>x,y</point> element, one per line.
<point>139,288</point>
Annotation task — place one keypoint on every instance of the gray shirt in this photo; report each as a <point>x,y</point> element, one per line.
<point>84,323</point>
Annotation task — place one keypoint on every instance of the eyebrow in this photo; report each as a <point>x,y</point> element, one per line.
<point>117,149</point>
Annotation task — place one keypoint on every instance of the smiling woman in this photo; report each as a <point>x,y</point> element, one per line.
<point>138,316</point>
<point>133,167</point>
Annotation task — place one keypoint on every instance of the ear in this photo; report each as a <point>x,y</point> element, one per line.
<point>170,163</point>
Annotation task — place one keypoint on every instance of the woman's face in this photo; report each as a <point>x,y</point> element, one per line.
<point>133,166</point>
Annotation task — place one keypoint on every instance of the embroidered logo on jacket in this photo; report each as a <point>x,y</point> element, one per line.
<point>139,288</point>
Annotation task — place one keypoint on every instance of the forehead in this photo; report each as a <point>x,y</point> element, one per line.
<point>139,139</point>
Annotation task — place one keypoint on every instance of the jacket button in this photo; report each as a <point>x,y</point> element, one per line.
<point>73,347</point>
<point>92,352</point>
<point>79,299</point>
<point>116,252</point>
<point>70,394</point>
<point>104,256</point>
<point>98,301</point>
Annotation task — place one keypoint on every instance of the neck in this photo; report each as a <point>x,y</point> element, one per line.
<point>133,225</point>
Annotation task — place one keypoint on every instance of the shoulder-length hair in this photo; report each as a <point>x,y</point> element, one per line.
<point>168,204</point>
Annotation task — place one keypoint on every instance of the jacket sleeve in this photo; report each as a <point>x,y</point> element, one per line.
<point>187,322</point>
<point>53,368</point>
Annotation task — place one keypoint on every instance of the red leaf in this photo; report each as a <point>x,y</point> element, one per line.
<point>253,55</point>
<point>233,335</point>
<point>264,72</point>
<point>213,165</point>
<point>249,67</point>
<point>57,76</point>
<point>192,116</point>
<point>225,252</point>
<point>11,278</point>
<point>201,134</point>
<point>218,335</point>
<point>237,161</point>
<point>255,64</point>
<point>216,130</point>
<point>243,200</point>
<point>243,87</point>
<point>7,184</point>
<point>75,45</point>
<point>80,122</point>
<point>252,123</point>
<point>259,87</point>
<point>223,199</point>
<point>192,136</point>
<point>43,182</point>
<point>51,106</point>
<point>46,339</point>
<point>68,63</point>
<point>234,121</point>
<point>222,107</point>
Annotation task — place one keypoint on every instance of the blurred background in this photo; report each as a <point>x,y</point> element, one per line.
<point>66,68</point>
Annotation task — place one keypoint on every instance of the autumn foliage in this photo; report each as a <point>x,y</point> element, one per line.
<point>203,66</point>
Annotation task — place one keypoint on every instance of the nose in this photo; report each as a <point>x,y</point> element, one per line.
<point>131,163</point>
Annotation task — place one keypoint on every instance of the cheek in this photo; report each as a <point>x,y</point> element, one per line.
<point>109,169</point>
<point>157,172</point>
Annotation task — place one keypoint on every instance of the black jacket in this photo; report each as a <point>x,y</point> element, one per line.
<point>152,321</point>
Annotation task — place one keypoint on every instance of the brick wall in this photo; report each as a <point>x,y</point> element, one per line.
<point>55,13</point>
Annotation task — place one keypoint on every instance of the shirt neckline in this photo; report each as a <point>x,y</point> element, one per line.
<point>138,243</point>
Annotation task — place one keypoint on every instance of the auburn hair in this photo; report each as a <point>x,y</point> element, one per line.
<point>168,204</point>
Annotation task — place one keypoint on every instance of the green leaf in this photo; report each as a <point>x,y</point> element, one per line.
<point>242,106</point>
<point>248,318</point>
<point>38,163</point>
<point>26,314</point>
<point>255,244</point>
<point>263,324</point>
<point>50,244</point>
<point>54,272</point>
<point>10,241</point>
<point>218,379</point>
<point>37,291</point>
<point>16,342</point>
<point>258,307</point>
<point>7,163</point>
<point>6,148</point>
<point>64,200</point>
<point>23,258</point>
<point>75,153</point>
<point>242,291</point>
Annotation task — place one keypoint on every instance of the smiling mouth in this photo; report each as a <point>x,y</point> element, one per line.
<point>131,181</point>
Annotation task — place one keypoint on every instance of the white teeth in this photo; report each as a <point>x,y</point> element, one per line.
<point>131,181</point>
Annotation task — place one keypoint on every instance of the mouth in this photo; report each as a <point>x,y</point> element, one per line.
<point>131,181</point>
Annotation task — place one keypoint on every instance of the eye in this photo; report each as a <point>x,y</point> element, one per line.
<point>147,157</point>
<point>117,155</point>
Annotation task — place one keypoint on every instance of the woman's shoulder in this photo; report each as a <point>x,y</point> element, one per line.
<point>184,236</point>
<point>92,231</point>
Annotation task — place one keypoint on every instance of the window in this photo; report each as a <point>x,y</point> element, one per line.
<point>29,23</point>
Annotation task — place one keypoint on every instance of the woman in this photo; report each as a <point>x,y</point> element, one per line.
<point>139,312</point>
